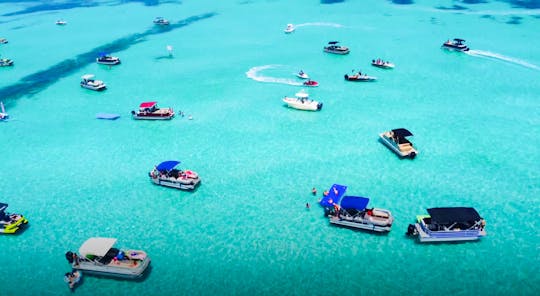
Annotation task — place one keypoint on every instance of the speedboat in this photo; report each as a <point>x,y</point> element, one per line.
<point>61,22</point>
<point>448,225</point>
<point>396,140</point>
<point>302,75</point>
<point>98,255</point>
<point>382,64</point>
<point>72,278</point>
<point>106,59</point>
<point>3,113</point>
<point>456,45</point>
<point>352,211</point>
<point>359,77</point>
<point>3,41</point>
<point>311,83</point>
<point>10,223</point>
<point>333,47</point>
<point>166,174</point>
<point>302,102</point>
<point>89,82</point>
<point>6,62</point>
<point>289,29</point>
<point>161,21</point>
<point>150,111</point>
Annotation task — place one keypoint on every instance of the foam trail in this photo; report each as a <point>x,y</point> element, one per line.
<point>253,73</point>
<point>497,56</point>
<point>320,24</point>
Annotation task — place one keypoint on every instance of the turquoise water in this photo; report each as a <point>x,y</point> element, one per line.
<point>476,120</point>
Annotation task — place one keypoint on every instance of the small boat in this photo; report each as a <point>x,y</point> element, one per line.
<point>72,278</point>
<point>10,223</point>
<point>448,225</point>
<point>98,255</point>
<point>106,59</point>
<point>3,114</point>
<point>166,174</point>
<point>3,41</point>
<point>61,22</point>
<point>6,62</point>
<point>302,102</point>
<point>352,211</point>
<point>89,82</point>
<point>396,140</point>
<point>150,111</point>
<point>289,29</point>
<point>161,21</point>
<point>382,64</point>
<point>108,116</point>
<point>302,75</point>
<point>456,45</point>
<point>333,47</point>
<point>359,77</point>
<point>311,83</point>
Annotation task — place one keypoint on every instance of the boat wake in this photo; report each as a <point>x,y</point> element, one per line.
<point>500,57</point>
<point>254,73</point>
<point>320,24</point>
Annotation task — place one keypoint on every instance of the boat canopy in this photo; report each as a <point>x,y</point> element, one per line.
<point>97,246</point>
<point>103,54</point>
<point>453,215</point>
<point>147,105</point>
<point>87,76</point>
<point>302,94</point>
<point>333,42</point>
<point>401,132</point>
<point>459,40</point>
<point>3,206</point>
<point>334,195</point>
<point>167,165</point>
<point>354,202</point>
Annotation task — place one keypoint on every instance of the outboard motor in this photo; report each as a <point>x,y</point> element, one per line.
<point>69,257</point>
<point>411,230</point>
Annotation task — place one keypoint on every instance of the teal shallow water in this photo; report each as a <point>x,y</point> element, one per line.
<point>246,230</point>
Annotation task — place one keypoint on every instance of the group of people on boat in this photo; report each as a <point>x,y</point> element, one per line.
<point>379,62</point>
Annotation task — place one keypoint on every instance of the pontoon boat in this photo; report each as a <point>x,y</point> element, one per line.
<point>302,102</point>
<point>106,59</point>
<point>97,255</point>
<point>359,77</point>
<point>10,223</point>
<point>456,45</point>
<point>333,47</point>
<point>396,140</point>
<point>150,111</point>
<point>166,174</point>
<point>448,225</point>
<point>89,82</point>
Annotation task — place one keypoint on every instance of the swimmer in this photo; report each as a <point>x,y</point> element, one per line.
<point>325,193</point>
<point>307,205</point>
<point>314,191</point>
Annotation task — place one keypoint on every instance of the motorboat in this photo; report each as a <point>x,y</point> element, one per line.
<point>456,45</point>
<point>333,47</point>
<point>167,174</point>
<point>3,114</point>
<point>6,62</point>
<point>89,82</point>
<point>302,102</point>
<point>72,278</point>
<point>3,41</point>
<point>397,141</point>
<point>161,21</point>
<point>302,75</point>
<point>382,64</point>
<point>10,223</point>
<point>448,225</point>
<point>352,211</point>
<point>311,83</point>
<point>97,255</point>
<point>290,28</point>
<point>150,111</point>
<point>106,59</point>
<point>61,22</point>
<point>359,77</point>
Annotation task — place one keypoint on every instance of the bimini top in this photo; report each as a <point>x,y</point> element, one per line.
<point>459,40</point>
<point>302,94</point>
<point>334,195</point>
<point>354,202</point>
<point>167,165</point>
<point>3,206</point>
<point>453,215</point>
<point>401,132</point>
<point>87,76</point>
<point>333,42</point>
<point>98,246</point>
<point>147,105</point>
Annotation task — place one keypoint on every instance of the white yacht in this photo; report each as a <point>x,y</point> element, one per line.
<point>302,102</point>
<point>106,59</point>
<point>97,255</point>
<point>396,140</point>
<point>89,82</point>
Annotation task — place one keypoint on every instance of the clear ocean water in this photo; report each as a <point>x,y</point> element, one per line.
<point>246,230</point>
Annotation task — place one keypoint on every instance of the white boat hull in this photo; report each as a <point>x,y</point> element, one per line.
<point>119,269</point>
<point>94,87</point>
<point>448,236</point>
<point>360,225</point>
<point>184,184</point>
<point>390,144</point>
<point>307,106</point>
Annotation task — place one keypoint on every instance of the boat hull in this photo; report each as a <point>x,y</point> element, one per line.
<point>383,66</point>
<point>390,144</point>
<point>337,51</point>
<point>312,106</point>
<point>110,63</point>
<point>447,236</point>
<point>360,225</point>
<point>359,78</point>
<point>112,270</point>
<point>455,48</point>
<point>152,117</point>
<point>188,184</point>
<point>95,88</point>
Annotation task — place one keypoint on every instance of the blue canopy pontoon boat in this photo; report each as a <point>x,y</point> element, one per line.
<point>167,174</point>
